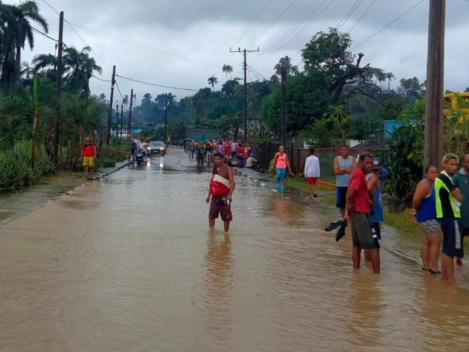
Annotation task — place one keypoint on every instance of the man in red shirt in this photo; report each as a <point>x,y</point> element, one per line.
<point>358,211</point>
<point>88,155</point>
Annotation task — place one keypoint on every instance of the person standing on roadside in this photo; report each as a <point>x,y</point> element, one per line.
<point>344,164</point>
<point>358,213</point>
<point>88,155</point>
<point>461,180</point>
<point>200,151</point>
<point>448,203</point>
<point>282,165</point>
<point>424,208</point>
<point>312,172</point>
<point>220,194</point>
<point>192,150</point>
<point>374,189</point>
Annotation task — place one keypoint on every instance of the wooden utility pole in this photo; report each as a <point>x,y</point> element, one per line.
<point>113,81</point>
<point>284,105</point>
<point>245,66</point>
<point>59,88</point>
<point>117,119</point>
<point>122,118</point>
<point>129,128</point>
<point>434,119</point>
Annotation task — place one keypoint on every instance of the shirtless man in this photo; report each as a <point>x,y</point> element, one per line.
<point>220,193</point>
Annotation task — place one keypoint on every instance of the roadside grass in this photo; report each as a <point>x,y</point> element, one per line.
<point>402,222</point>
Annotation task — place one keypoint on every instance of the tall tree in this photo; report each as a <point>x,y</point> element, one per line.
<point>285,62</point>
<point>79,67</point>
<point>25,13</point>
<point>212,81</point>
<point>228,70</point>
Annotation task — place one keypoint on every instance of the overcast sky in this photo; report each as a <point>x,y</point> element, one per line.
<point>183,42</point>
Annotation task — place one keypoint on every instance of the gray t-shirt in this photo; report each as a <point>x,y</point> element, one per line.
<point>343,180</point>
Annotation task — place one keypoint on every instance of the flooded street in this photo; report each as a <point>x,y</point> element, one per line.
<point>128,264</point>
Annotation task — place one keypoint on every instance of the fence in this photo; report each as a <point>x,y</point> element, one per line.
<point>326,159</point>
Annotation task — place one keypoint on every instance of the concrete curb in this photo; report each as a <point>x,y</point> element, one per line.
<point>240,172</point>
<point>97,178</point>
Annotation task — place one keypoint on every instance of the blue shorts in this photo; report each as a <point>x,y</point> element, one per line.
<point>281,174</point>
<point>341,197</point>
<point>452,237</point>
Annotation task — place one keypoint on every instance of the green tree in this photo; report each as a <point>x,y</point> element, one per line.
<point>212,81</point>
<point>79,67</point>
<point>228,70</point>
<point>285,62</point>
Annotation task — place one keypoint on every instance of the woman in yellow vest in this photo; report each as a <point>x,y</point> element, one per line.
<point>448,201</point>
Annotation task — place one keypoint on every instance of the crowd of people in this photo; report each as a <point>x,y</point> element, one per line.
<point>440,205</point>
<point>235,153</point>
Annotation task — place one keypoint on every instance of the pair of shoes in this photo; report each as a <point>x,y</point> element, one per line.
<point>278,185</point>
<point>333,225</point>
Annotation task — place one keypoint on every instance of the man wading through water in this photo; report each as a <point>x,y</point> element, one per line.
<point>358,212</point>
<point>222,186</point>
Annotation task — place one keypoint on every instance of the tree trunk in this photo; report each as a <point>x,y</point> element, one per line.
<point>33,142</point>
<point>18,65</point>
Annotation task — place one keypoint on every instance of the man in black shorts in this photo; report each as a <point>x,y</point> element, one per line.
<point>358,212</point>
<point>220,193</point>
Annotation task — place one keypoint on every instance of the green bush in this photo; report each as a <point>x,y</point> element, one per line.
<point>15,167</point>
<point>105,163</point>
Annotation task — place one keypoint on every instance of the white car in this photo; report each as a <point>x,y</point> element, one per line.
<point>156,148</point>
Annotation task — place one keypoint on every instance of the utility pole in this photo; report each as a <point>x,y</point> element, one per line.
<point>59,88</point>
<point>166,120</point>
<point>113,81</point>
<point>117,119</point>
<point>434,119</point>
<point>284,106</point>
<point>122,118</point>
<point>245,66</point>
<point>129,128</point>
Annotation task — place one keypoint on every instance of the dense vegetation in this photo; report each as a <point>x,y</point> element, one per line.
<point>28,102</point>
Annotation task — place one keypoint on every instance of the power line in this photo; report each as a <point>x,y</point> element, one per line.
<point>278,18</point>
<point>51,7</point>
<point>364,14</point>
<point>291,21</point>
<point>84,41</point>
<point>389,24</point>
<point>249,27</point>
<point>100,79</point>
<point>303,19</point>
<point>301,30</point>
<point>156,85</point>
<point>119,90</point>
<point>252,23</point>
<point>349,14</point>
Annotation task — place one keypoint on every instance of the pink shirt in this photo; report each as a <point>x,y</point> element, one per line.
<point>362,197</point>
<point>281,161</point>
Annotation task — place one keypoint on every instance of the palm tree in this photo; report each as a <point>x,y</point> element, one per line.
<point>227,69</point>
<point>43,61</point>
<point>274,79</point>
<point>389,76</point>
<point>146,99</point>
<point>285,62</point>
<point>79,67</point>
<point>212,81</point>
<point>24,14</point>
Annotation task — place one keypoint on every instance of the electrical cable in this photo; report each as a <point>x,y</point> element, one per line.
<point>388,25</point>
<point>349,14</point>
<point>278,18</point>
<point>364,14</point>
<point>156,85</point>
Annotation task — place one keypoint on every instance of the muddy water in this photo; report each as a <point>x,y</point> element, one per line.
<point>127,264</point>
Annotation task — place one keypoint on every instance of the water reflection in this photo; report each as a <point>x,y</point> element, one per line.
<point>219,286</point>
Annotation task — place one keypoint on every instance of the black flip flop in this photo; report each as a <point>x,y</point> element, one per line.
<point>434,272</point>
<point>426,269</point>
<point>333,225</point>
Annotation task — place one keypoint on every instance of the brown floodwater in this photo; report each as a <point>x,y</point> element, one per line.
<point>127,264</point>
